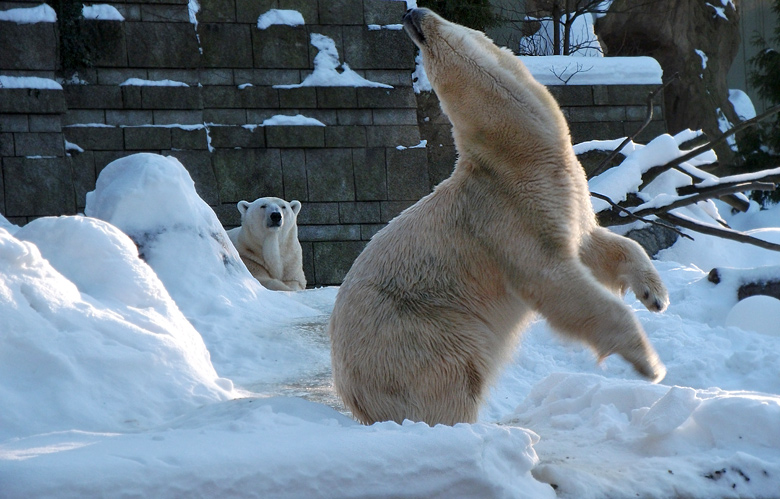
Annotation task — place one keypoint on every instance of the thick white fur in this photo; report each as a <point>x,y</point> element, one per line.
<point>271,253</point>
<point>436,302</point>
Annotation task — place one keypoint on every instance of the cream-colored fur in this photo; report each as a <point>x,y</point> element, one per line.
<point>435,304</point>
<point>268,243</point>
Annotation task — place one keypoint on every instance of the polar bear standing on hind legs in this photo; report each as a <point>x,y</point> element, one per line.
<point>435,304</point>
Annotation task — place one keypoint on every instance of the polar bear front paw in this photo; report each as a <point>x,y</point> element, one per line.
<point>650,290</point>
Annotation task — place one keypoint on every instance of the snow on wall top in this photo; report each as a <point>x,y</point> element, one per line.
<point>101,12</point>
<point>565,70</point>
<point>30,15</point>
<point>29,82</point>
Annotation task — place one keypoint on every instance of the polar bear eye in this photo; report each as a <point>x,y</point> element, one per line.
<point>264,206</point>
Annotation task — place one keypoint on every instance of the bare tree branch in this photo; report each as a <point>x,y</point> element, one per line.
<point>703,195</point>
<point>712,230</point>
<point>765,176</point>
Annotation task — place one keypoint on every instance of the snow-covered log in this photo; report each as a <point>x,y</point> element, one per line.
<point>749,282</point>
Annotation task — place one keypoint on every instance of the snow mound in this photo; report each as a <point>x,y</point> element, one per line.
<point>152,199</point>
<point>88,331</point>
<point>756,313</point>
<point>631,424</point>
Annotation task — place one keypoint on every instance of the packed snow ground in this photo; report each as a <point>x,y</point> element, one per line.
<point>179,375</point>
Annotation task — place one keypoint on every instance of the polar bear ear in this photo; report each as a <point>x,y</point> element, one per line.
<point>243,206</point>
<point>296,206</point>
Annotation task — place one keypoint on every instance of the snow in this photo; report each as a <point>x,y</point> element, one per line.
<point>719,11</point>
<point>564,70</point>
<point>279,16</point>
<point>423,143</point>
<point>297,120</point>
<point>616,183</point>
<point>553,70</point>
<point>29,15</point>
<point>326,73</point>
<point>29,82</point>
<point>138,82</point>
<point>102,12</point>
<point>756,313</point>
<point>177,374</point>
<point>391,27</point>
<point>742,104</point>
<point>420,81</point>
<point>704,60</point>
<point>193,7</point>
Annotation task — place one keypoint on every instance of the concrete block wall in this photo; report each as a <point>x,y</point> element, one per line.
<point>352,176</point>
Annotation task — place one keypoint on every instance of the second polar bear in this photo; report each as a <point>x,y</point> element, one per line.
<point>267,242</point>
<point>435,304</point>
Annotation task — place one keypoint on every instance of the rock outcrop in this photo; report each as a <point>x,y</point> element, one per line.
<point>696,39</point>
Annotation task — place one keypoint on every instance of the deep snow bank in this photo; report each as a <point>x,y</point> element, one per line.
<point>90,338</point>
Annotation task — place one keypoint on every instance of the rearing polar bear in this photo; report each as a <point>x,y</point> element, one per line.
<point>435,304</point>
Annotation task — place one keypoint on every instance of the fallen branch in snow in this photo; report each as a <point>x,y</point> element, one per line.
<point>702,194</point>
<point>632,216</point>
<point>604,165</point>
<point>712,230</point>
<point>751,282</point>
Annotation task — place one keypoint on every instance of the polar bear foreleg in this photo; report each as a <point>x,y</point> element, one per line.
<point>620,263</point>
<point>578,306</point>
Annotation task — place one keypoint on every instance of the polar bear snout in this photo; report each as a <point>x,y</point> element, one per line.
<point>274,219</point>
<point>412,22</point>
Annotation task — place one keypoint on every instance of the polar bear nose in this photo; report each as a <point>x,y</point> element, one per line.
<point>276,217</point>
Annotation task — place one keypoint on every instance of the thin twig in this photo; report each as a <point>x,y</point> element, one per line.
<point>636,217</point>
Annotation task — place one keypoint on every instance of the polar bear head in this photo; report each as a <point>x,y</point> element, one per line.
<point>487,93</point>
<point>269,214</point>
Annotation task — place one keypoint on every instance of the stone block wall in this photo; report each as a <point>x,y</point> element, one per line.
<point>352,175</point>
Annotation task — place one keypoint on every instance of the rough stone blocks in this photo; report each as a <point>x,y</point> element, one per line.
<point>247,174</point>
<point>26,180</point>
